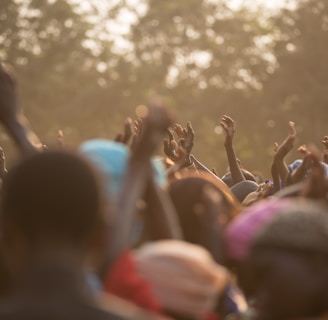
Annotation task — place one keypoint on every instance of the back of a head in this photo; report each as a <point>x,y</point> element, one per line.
<point>203,211</point>
<point>51,197</point>
<point>243,188</point>
<point>290,261</point>
<point>196,281</point>
<point>227,178</point>
<point>302,227</point>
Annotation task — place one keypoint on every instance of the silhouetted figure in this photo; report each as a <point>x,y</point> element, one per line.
<point>51,218</point>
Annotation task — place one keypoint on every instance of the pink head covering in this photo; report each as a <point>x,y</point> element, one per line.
<point>240,233</point>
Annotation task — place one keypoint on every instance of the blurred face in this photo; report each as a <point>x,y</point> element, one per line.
<point>288,286</point>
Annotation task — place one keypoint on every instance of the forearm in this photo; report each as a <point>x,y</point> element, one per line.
<point>161,218</point>
<point>200,166</point>
<point>125,209</point>
<point>22,136</point>
<point>236,173</point>
<point>275,178</point>
<point>280,155</point>
<point>299,173</point>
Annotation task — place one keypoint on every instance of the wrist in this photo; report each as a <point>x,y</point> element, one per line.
<point>188,162</point>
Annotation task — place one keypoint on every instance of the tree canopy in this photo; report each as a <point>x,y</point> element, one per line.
<point>206,58</point>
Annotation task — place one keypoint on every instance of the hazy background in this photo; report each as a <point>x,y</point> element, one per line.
<point>83,66</point>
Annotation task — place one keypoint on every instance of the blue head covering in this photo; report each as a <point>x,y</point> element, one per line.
<point>111,159</point>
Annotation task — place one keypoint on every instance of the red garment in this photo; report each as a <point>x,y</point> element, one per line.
<point>124,281</point>
<point>212,316</point>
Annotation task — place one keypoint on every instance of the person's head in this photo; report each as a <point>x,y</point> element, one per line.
<point>49,202</point>
<point>290,260</point>
<point>240,234</point>
<point>204,207</point>
<point>227,178</point>
<point>184,277</point>
<point>111,158</point>
<point>243,188</point>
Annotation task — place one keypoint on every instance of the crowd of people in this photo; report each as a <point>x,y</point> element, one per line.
<point>112,231</point>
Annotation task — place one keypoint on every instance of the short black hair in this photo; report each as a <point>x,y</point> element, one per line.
<point>52,196</point>
<point>303,228</point>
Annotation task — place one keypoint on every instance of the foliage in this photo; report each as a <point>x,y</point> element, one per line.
<point>204,57</point>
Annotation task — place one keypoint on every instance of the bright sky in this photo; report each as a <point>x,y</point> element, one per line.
<point>116,30</point>
<point>270,4</point>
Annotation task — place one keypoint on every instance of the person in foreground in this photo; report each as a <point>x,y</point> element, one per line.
<point>51,217</point>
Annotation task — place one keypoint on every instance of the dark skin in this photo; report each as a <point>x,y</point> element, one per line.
<point>262,192</point>
<point>60,139</point>
<point>137,130</point>
<point>12,118</point>
<point>316,186</point>
<point>281,152</point>
<point>289,285</point>
<point>180,138</point>
<point>228,125</point>
<point>138,184</point>
<point>3,168</point>
<point>178,146</point>
<point>275,172</point>
<point>325,151</point>
<point>300,172</point>
<point>160,216</point>
<point>126,136</point>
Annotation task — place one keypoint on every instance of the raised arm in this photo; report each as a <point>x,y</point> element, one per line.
<point>178,146</point>
<point>301,171</point>
<point>281,152</point>
<point>160,216</point>
<point>228,125</point>
<point>275,172</point>
<point>137,177</point>
<point>316,185</point>
<point>12,118</point>
<point>325,150</point>
<point>125,137</point>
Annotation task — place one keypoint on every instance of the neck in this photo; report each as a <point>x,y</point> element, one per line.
<point>52,272</point>
<point>46,258</point>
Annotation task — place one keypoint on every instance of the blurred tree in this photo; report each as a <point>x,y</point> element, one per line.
<point>206,58</point>
<point>56,60</point>
<point>297,90</point>
<point>204,55</point>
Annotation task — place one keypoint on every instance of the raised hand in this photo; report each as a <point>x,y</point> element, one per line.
<point>127,134</point>
<point>187,142</point>
<point>281,152</point>
<point>60,139</point>
<point>303,150</point>
<point>304,168</point>
<point>150,131</point>
<point>316,186</point>
<point>263,191</point>
<point>325,151</point>
<point>292,129</point>
<point>228,125</point>
<point>136,133</point>
<point>3,168</point>
<point>275,147</point>
<point>179,138</point>
<point>152,128</point>
<point>288,143</point>
<point>170,146</point>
